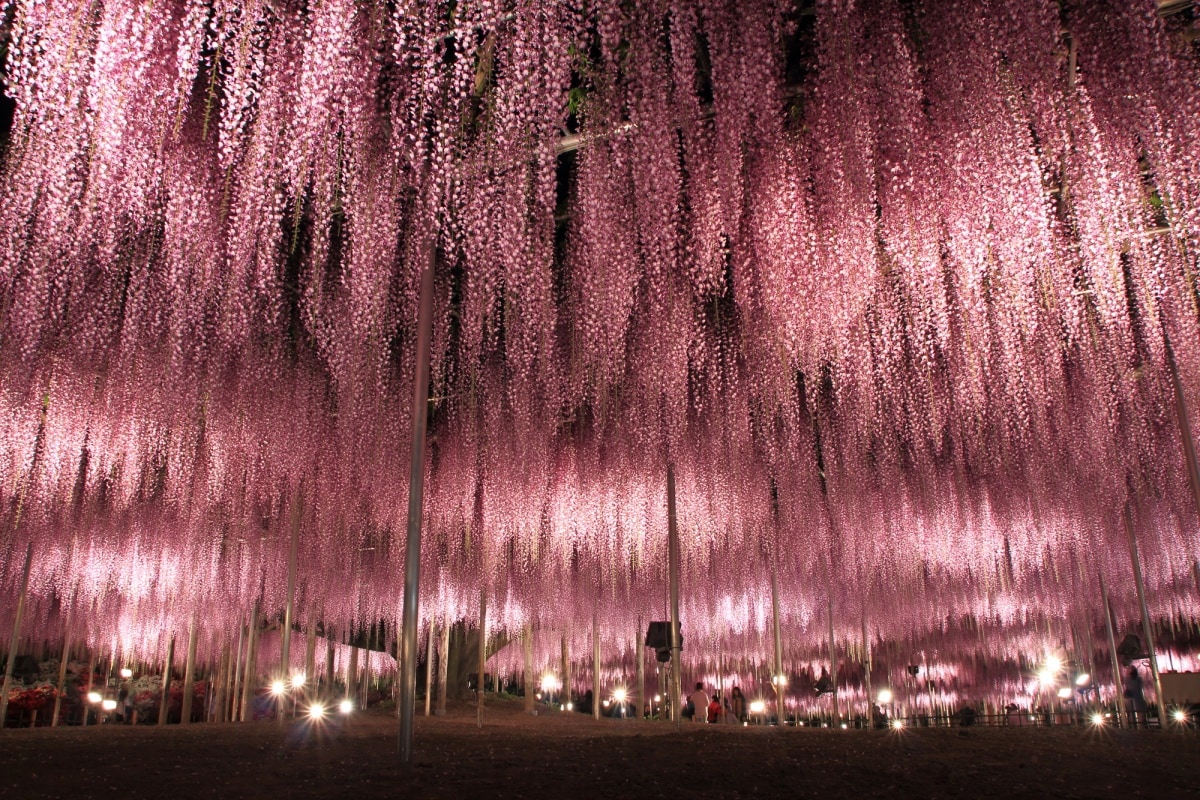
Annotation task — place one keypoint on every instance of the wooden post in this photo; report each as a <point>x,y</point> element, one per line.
<point>289,611</point>
<point>91,674</point>
<point>595,667</point>
<point>189,676</point>
<point>14,640</point>
<point>250,671</point>
<point>164,697</point>
<point>330,658</point>
<point>673,569</point>
<point>1147,628</point>
<point>530,681</point>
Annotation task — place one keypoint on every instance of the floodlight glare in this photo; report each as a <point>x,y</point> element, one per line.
<point>346,706</point>
<point>758,707</point>
<point>885,695</point>
<point>1053,663</point>
<point>109,705</point>
<point>619,695</point>
<point>1064,693</point>
<point>126,672</point>
<point>316,711</point>
<point>298,680</point>
<point>1083,680</point>
<point>94,697</point>
<point>1097,719</point>
<point>276,688</point>
<point>1046,677</point>
<point>1180,715</point>
<point>897,724</point>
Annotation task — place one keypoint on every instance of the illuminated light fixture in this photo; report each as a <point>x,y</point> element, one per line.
<point>1046,677</point>
<point>1053,663</point>
<point>298,680</point>
<point>1097,719</point>
<point>758,707</point>
<point>897,724</point>
<point>316,711</point>
<point>885,695</point>
<point>94,697</point>
<point>619,695</point>
<point>549,683</point>
<point>1083,680</point>
<point>845,726</point>
<point>605,704</point>
<point>658,698</point>
<point>109,705</point>
<point>126,672</point>
<point>779,680</point>
<point>346,706</point>
<point>570,706</point>
<point>1180,715</point>
<point>1064,693</point>
<point>277,688</point>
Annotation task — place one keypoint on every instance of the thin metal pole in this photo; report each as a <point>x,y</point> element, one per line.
<point>62,675</point>
<point>833,667</point>
<point>164,697</point>
<point>527,651</point>
<point>595,667</point>
<point>91,675</point>
<point>566,673</point>
<point>1112,652</point>
<point>352,676</point>
<point>673,568</point>
<point>429,667</point>
<point>482,657</point>
<point>443,668</point>
<point>235,694</point>
<point>416,495</point>
<point>1147,629</point>
<point>16,634</point>
<point>289,612</point>
<point>189,676</point>
<point>870,716</point>
<point>310,655</point>
<point>639,652</point>
<point>777,670</point>
<point>250,671</point>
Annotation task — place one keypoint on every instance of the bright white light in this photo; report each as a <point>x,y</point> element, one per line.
<point>126,672</point>
<point>897,724</point>
<point>758,707</point>
<point>1097,719</point>
<point>845,726</point>
<point>658,698</point>
<point>1046,677</point>
<point>316,711</point>
<point>885,695</point>
<point>570,706</point>
<point>605,704</point>
<point>1053,663</point>
<point>1064,693</point>
<point>619,695</point>
<point>1083,680</point>
<point>1180,715</point>
<point>94,697</point>
<point>298,680</point>
<point>549,683</point>
<point>346,706</point>
<point>276,687</point>
<point>109,705</point>
<point>779,680</point>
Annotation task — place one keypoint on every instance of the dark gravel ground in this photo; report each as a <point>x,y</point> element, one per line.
<point>557,755</point>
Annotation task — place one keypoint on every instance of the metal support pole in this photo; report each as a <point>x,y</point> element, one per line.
<point>164,697</point>
<point>330,660</point>
<point>443,668</point>
<point>91,675</point>
<point>566,674</point>
<point>482,657</point>
<point>250,671</point>
<point>833,667</point>
<point>777,667</point>
<point>416,494</point>
<point>62,676</point>
<point>673,568</point>
<point>352,676</point>
<point>310,656</point>
<point>595,667</point>
<point>289,612</point>
<point>189,676</point>
<point>429,667</point>
<point>639,652</point>
<point>1112,652</point>
<point>235,694</point>
<point>16,634</point>
<point>1147,629</point>
<point>1183,419</point>
<point>527,651</point>
<point>870,716</point>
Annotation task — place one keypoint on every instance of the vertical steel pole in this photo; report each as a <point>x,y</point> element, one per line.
<point>289,612</point>
<point>429,666</point>
<point>164,697</point>
<point>595,667</point>
<point>639,651</point>
<point>235,694</point>
<point>1183,419</point>
<point>566,673</point>
<point>189,676</point>
<point>443,667</point>
<point>250,671</point>
<point>833,667</point>
<point>416,493</point>
<point>527,652</point>
<point>870,717</point>
<point>16,634</point>
<point>483,634</point>
<point>62,675</point>
<point>777,668</point>
<point>1147,628</point>
<point>1118,696</point>
<point>673,567</point>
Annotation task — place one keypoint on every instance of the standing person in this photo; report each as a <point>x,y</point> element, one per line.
<point>1137,700</point>
<point>714,709</point>
<point>738,704</point>
<point>699,701</point>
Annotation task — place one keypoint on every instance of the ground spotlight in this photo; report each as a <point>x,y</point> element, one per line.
<point>1179,715</point>
<point>277,688</point>
<point>758,707</point>
<point>316,711</point>
<point>298,680</point>
<point>885,695</point>
<point>94,697</point>
<point>1098,720</point>
<point>109,705</point>
<point>619,695</point>
<point>126,672</point>
<point>897,724</point>
<point>1083,680</point>
<point>346,706</point>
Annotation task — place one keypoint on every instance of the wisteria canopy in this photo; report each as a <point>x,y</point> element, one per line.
<point>896,285</point>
